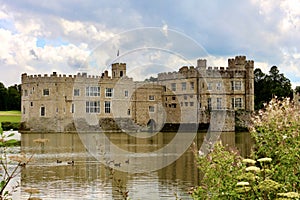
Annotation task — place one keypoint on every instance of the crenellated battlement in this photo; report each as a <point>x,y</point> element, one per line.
<point>54,77</point>
<point>236,68</point>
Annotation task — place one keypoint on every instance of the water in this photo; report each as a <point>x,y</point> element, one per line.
<point>90,179</point>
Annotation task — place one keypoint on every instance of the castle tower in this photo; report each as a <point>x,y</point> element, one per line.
<point>118,70</point>
<point>249,84</point>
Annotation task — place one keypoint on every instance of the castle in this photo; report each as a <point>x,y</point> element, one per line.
<point>192,96</point>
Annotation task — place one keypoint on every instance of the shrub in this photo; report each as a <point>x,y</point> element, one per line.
<point>276,134</point>
<point>6,126</point>
<point>219,170</point>
<point>274,170</point>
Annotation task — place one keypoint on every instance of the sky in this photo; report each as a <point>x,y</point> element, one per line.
<point>71,36</point>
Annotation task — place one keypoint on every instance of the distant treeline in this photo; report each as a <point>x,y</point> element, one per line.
<point>10,98</point>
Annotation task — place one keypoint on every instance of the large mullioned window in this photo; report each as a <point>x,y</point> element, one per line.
<point>108,92</point>
<point>92,91</point>
<point>92,106</point>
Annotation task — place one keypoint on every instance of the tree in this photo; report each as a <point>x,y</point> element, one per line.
<point>268,86</point>
<point>14,98</point>
<point>3,97</point>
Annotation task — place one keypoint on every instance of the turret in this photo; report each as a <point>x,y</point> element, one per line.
<point>118,70</point>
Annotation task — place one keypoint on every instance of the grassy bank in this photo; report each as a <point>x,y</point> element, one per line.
<point>12,116</point>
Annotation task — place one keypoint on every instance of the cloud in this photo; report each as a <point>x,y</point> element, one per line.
<point>60,35</point>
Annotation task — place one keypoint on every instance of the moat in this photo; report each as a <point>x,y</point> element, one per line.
<point>90,179</point>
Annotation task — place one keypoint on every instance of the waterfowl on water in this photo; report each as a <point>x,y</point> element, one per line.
<point>117,164</point>
<point>70,162</point>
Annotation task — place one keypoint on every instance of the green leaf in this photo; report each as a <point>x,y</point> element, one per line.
<point>2,183</point>
<point>11,142</point>
<point>10,135</point>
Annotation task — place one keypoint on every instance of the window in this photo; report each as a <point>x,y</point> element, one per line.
<point>192,87</point>
<point>232,103</point>
<point>173,105</point>
<point>72,108</point>
<point>186,103</point>
<point>191,103</point>
<point>128,112</point>
<point>107,106</point>
<point>185,97</point>
<point>121,73</point>
<point>76,92</point>
<point>108,92</point>
<point>183,86</point>
<point>151,108</point>
<point>92,91</point>
<point>209,103</point>
<point>209,86</point>
<point>31,103</point>
<point>219,86</point>
<point>173,98</point>
<point>43,111</point>
<point>46,92</point>
<point>238,102</point>
<point>236,85</point>
<point>126,93</point>
<point>219,103</point>
<point>151,97</point>
<point>92,106</point>
<point>173,86</point>
<point>25,92</point>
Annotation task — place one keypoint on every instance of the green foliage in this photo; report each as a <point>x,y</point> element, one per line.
<point>266,86</point>
<point>274,171</point>
<point>10,98</point>
<point>6,126</point>
<point>219,171</point>
<point>276,134</point>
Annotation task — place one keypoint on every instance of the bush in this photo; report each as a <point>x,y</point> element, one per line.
<point>276,134</point>
<point>6,126</point>
<point>274,170</point>
<point>219,170</point>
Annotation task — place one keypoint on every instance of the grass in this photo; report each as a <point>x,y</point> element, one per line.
<point>10,116</point>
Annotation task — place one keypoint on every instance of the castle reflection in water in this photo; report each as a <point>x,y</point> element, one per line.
<point>90,179</point>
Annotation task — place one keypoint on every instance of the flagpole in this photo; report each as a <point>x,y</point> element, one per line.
<point>118,56</point>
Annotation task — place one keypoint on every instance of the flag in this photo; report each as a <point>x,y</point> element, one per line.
<point>118,53</point>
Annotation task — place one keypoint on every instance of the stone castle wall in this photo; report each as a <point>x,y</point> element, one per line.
<point>201,94</point>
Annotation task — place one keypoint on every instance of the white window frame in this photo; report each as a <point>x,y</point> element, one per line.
<point>109,92</point>
<point>92,106</point>
<point>42,111</point>
<point>107,106</point>
<point>209,103</point>
<point>92,91</point>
